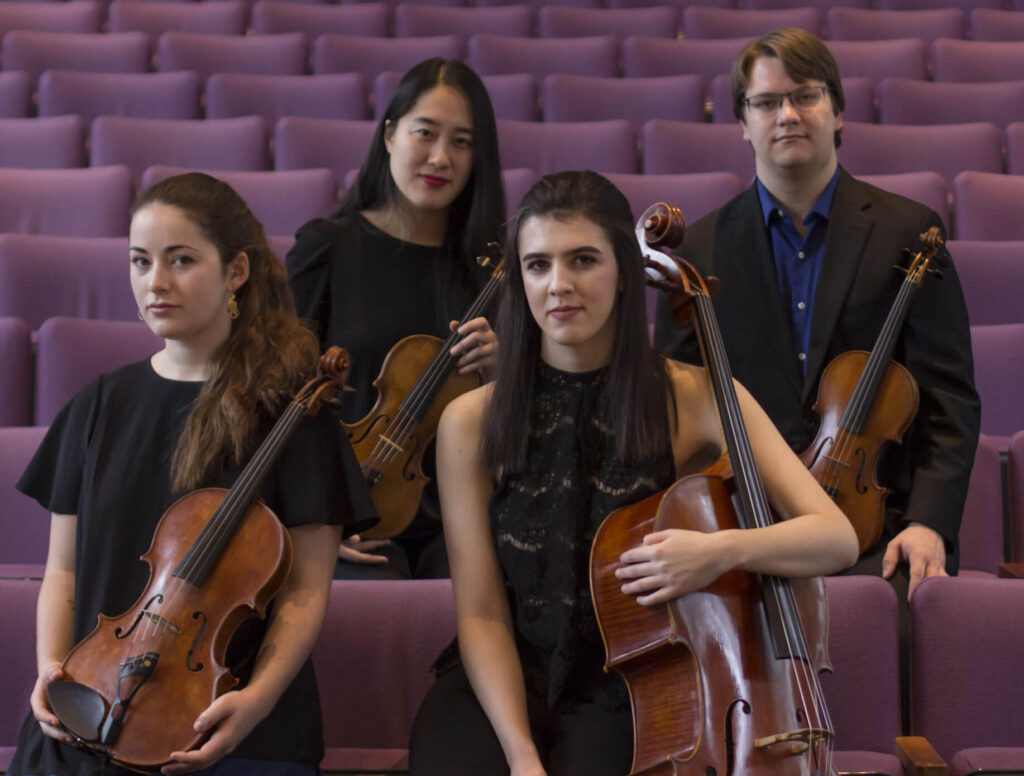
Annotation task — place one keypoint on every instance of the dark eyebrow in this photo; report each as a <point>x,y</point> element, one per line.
<point>433,123</point>
<point>168,249</point>
<point>573,252</point>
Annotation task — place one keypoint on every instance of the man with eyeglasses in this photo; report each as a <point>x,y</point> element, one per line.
<point>805,257</point>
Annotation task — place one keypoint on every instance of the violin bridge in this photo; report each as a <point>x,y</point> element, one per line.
<point>163,623</point>
<point>395,445</point>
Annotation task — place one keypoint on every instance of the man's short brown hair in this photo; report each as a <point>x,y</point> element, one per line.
<point>803,56</point>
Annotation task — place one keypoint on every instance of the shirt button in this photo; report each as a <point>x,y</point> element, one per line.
<point>800,305</point>
<point>801,255</point>
<point>779,211</point>
<point>802,356</point>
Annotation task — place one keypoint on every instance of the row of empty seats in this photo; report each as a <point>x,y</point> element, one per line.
<point>290,53</point>
<point>519,97</point>
<point>378,19</point>
<point>373,657</point>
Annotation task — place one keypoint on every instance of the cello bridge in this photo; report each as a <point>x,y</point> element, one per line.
<point>799,741</point>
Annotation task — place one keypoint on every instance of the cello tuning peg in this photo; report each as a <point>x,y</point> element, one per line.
<point>898,268</point>
<point>334,403</point>
<point>483,261</point>
<point>907,253</point>
<point>936,272</point>
<point>348,389</point>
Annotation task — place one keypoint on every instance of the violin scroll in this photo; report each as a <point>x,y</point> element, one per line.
<point>334,365</point>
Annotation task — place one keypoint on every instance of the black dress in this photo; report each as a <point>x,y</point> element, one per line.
<point>366,290</point>
<point>106,459</point>
<point>543,521</point>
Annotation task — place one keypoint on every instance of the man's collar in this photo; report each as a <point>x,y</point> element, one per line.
<point>822,205</point>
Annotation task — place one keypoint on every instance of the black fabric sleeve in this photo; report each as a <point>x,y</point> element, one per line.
<point>54,475</point>
<point>309,273</point>
<point>317,478</point>
<point>944,435</point>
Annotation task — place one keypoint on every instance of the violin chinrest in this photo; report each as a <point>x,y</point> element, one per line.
<point>80,709</point>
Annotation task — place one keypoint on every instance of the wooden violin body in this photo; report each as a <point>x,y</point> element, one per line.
<point>393,467</point>
<point>845,463</point>
<point>180,629</point>
<point>707,698</point>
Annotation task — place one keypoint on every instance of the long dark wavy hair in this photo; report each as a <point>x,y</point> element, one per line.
<point>638,383</point>
<point>268,352</point>
<point>477,214</point>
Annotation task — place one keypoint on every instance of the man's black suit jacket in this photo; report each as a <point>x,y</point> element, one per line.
<point>857,285</point>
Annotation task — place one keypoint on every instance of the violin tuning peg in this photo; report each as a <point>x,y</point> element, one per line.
<point>898,268</point>
<point>334,402</point>
<point>483,261</point>
<point>936,272</point>
<point>907,253</point>
<point>348,389</point>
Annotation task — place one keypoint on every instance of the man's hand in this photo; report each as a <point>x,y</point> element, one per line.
<point>924,551</point>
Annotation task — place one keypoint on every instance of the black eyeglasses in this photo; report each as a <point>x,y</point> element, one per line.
<point>769,103</point>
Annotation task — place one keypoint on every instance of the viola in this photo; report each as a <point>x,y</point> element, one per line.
<point>416,382</point>
<point>723,680</point>
<point>133,688</point>
<point>865,401</point>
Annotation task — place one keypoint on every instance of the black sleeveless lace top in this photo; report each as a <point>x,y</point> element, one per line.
<point>544,520</point>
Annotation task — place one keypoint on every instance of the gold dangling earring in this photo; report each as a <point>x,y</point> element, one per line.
<point>232,307</point>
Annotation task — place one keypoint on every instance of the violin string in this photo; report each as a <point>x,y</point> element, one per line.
<point>425,389</point>
<point>419,398</point>
<point>755,496</point>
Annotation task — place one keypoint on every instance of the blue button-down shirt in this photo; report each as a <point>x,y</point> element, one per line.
<point>798,259</point>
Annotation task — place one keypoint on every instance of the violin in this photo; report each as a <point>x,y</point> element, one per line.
<point>723,680</point>
<point>866,400</point>
<point>415,384</point>
<point>132,689</point>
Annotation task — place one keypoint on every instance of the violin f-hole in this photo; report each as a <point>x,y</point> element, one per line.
<point>144,612</point>
<point>195,642</point>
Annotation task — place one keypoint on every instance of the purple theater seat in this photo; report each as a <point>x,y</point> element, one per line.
<point>24,524</point>
<point>679,5</point>
<point>988,206</point>
<point>994,24</point>
<point>992,276</point>
<point>415,20</point>
<point>495,55</point>
<point>517,182</point>
<point>43,143</point>
<point>392,4</point>
<point>282,201</point>
<point>999,377</point>
<point>863,689</point>
<point>695,194</point>
<point>372,661</point>
<point>110,52</point>
<point>859,93</point>
<point>1016,477</point>
<point>219,144</point>
<point>823,5</point>
<point>651,57</point>
<point>76,203</point>
<point>513,96</point>
<point>686,146</point>
<point>555,21</point>
<point>270,16</point>
<point>981,531</point>
<point>864,24</point>
<point>604,146</point>
<point>16,367</point>
<point>537,4</point>
<point>878,59</point>
<point>372,56</point>
<point>922,5</point>
<point>74,351</point>
<point>702,22</point>
<point>15,95</point>
<point>581,98</point>
<point>334,96</point>
<point>136,95</point>
<point>901,101</point>
<point>18,658</point>
<point>302,143</point>
<point>83,16</point>
<point>948,149</point>
<point>977,60</point>
<point>283,54</point>
<point>967,669</point>
<point>226,17</point>
<point>928,188</point>
<point>1015,148</point>
<point>43,277</point>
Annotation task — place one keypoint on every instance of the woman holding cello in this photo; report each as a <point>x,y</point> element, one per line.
<point>130,443</point>
<point>582,418</point>
<point>397,258</point>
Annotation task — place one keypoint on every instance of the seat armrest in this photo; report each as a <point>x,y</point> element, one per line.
<point>919,757</point>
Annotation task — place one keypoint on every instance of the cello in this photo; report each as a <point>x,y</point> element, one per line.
<point>132,689</point>
<point>415,384</point>
<point>722,681</point>
<point>866,400</point>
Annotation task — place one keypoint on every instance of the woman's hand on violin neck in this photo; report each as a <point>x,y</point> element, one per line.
<point>357,550</point>
<point>41,710</point>
<point>230,718</point>
<point>672,563</point>
<point>477,351</point>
